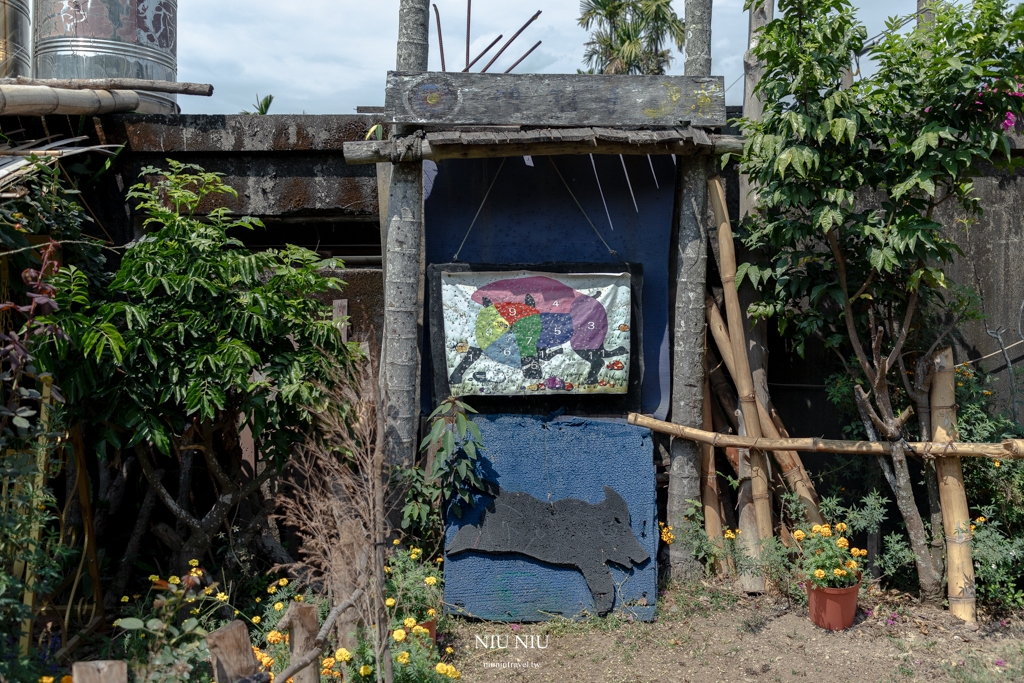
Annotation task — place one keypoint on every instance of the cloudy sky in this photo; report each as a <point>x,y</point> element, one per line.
<point>327,57</point>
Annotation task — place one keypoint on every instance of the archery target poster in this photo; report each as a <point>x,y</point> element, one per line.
<point>515,333</point>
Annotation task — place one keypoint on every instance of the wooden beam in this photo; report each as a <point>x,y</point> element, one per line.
<point>554,99</point>
<point>378,151</point>
<point>200,89</point>
<point>36,100</point>
<point>1009,449</point>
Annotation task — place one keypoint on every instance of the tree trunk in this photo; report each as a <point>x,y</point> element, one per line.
<point>404,259</point>
<point>930,580</point>
<point>687,350</point>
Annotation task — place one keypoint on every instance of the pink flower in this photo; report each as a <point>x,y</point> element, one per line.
<point>1010,121</point>
<point>1000,662</point>
<point>514,627</point>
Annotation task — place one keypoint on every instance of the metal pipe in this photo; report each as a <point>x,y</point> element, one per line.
<point>523,57</point>
<point>486,49</point>
<point>440,41</point>
<point>531,20</point>
<point>469,11</point>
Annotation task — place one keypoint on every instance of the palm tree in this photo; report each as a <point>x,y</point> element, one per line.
<point>630,36</point>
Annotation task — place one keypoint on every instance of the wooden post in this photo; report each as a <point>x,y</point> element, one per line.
<point>789,461</point>
<point>688,317</point>
<point>760,15</point>
<point>230,653</point>
<point>709,479</point>
<point>404,264</point>
<point>303,627</point>
<point>101,672</point>
<point>742,378</point>
<point>956,519</point>
<point>747,517</point>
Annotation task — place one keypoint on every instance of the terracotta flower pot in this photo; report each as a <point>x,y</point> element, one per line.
<point>431,626</point>
<point>832,608</point>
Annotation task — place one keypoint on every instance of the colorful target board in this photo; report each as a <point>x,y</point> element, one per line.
<point>516,333</point>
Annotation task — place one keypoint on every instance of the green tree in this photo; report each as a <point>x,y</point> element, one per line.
<point>195,339</point>
<point>850,181</point>
<point>630,36</point>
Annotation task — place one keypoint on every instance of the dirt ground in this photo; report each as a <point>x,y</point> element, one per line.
<point>709,634</point>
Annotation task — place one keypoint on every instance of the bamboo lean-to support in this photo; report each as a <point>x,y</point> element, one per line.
<point>789,461</point>
<point>742,377</point>
<point>956,518</point>
<point>709,478</point>
<point>1010,449</point>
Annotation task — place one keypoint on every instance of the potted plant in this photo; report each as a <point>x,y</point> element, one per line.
<point>831,569</point>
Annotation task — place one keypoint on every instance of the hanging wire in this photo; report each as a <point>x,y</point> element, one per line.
<point>580,207</point>
<point>601,192</point>
<point>479,209</point>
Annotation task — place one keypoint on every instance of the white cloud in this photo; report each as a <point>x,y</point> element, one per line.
<point>322,57</point>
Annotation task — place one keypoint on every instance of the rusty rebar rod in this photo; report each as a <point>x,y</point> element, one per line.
<point>469,12</point>
<point>485,51</point>
<point>524,57</point>
<point>514,36</point>
<point>440,41</point>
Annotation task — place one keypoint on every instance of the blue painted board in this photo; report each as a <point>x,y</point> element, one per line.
<point>570,457</point>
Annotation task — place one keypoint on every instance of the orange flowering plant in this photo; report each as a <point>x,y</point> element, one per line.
<point>827,558</point>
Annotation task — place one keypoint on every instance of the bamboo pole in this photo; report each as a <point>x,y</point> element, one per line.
<point>37,100</point>
<point>956,518</point>
<point>789,462</point>
<point>746,522</point>
<point>709,479</point>
<point>742,378</point>
<point>1010,449</point>
<point>200,89</point>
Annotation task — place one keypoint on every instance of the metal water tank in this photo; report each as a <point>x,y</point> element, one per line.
<point>109,39</point>
<point>15,39</point>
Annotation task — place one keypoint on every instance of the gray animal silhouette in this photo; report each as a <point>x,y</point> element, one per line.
<point>568,532</point>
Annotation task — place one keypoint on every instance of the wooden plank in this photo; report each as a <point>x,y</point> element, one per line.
<point>231,653</point>
<point>554,99</point>
<point>100,672</point>
<point>304,626</point>
<point>340,310</point>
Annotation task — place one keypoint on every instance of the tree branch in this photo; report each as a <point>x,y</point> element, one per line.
<point>865,408</point>
<point>162,493</point>
<point>904,329</point>
<point>851,329</point>
<point>311,655</point>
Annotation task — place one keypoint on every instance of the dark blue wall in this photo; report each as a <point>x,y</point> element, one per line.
<point>530,217</point>
<point>564,458</point>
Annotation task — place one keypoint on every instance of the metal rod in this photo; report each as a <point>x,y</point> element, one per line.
<point>523,57</point>
<point>486,49</point>
<point>532,19</point>
<point>440,41</point>
<point>469,12</point>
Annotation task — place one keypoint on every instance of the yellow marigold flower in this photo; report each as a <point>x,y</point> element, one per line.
<point>430,580</point>
<point>209,591</point>
<point>272,589</point>
<point>66,679</point>
<point>194,610</point>
<point>328,663</point>
<point>979,520</point>
<point>409,622</point>
<point>222,596</point>
<point>839,572</point>
<point>403,657</point>
<point>282,582</point>
<point>154,577</point>
<point>863,552</point>
<point>257,599</point>
<point>441,668</point>
<point>799,535</point>
<point>439,560</point>
<point>841,527</point>
<point>387,570</point>
<point>842,542</point>
<point>972,527</point>
<point>449,650</point>
<point>193,563</point>
<point>395,542</point>
<point>174,580</point>
<point>325,672</point>
<point>278,606</point>
<point>816,529</point>
<point>819,573</point>
<point>275,637</point>
<point>365,670</point>
<point>124,598</point>
<point>298,598</point>
<point>46,679</point>
<point>851,565</point>
<point>419,630</point>
<point>729,534</point>
<point>195,572</point>
<point>343,655</point>
<point>256,619</point>
<point>431,612</point>
<point>390,602</point>
<point>136,596</point>
<point>996,463</point>
<point>826,532</point>
<point>398,635</point>
<point>451,672</point>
